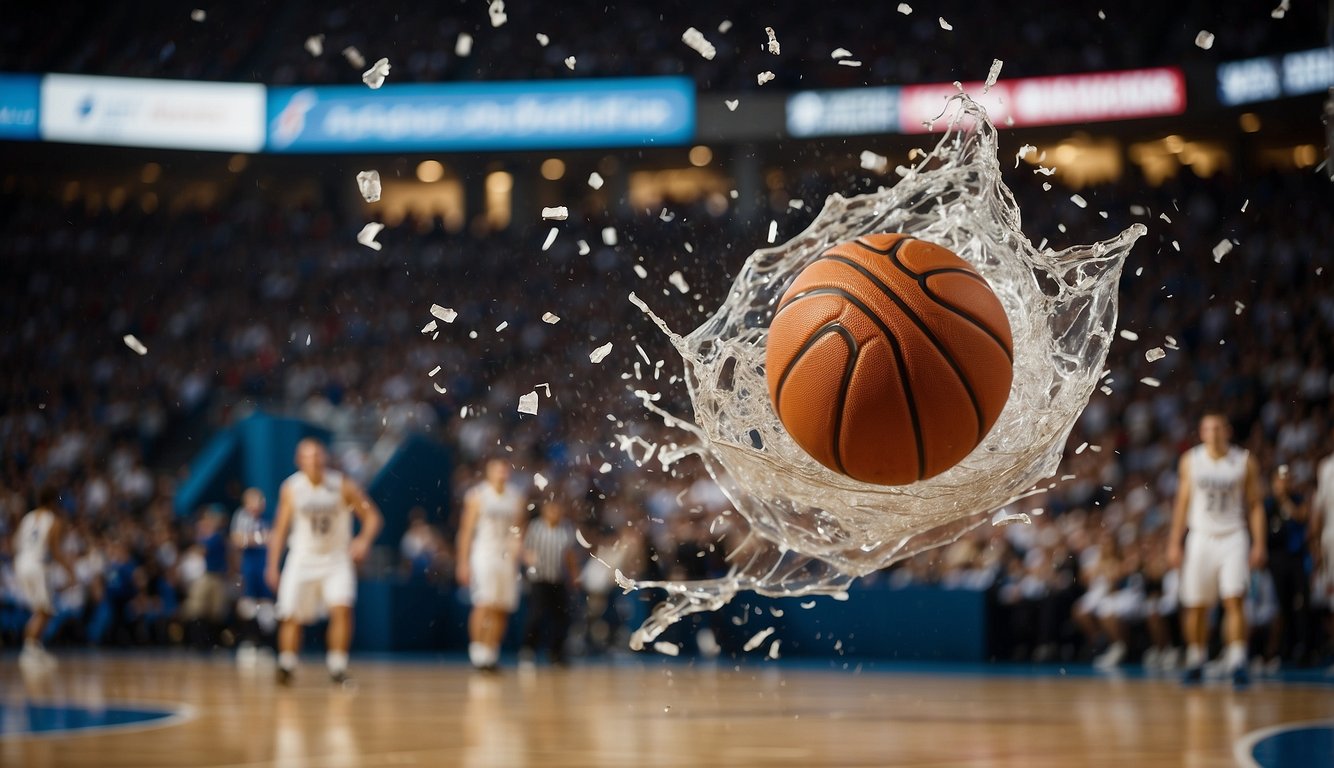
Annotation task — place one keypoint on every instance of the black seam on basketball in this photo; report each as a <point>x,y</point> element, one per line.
<point>854,352</point>
<point>926,331</point>
<point>820,333</point>
<point>899,362</point>
<point>891,250</point>
<point>921,278</point>
<point>976,322</point>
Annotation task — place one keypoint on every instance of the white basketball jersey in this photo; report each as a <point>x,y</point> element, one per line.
<point>321,520</point>
<point>1217,491</point>
<point>497,514</point>
<point>31,545</point>
<point>1324,499</point>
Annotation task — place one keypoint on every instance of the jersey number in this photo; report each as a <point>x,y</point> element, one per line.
<point>1216,501</point>
<point>321,524</point>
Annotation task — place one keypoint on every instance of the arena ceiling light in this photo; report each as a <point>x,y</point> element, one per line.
<point>430,171</point>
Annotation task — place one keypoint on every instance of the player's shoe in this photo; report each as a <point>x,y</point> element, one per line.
<point>1111,657</point>
<point>284,676</point>
<point>1241,677</point>
<point>1193,676</point>
<point>339,678</point>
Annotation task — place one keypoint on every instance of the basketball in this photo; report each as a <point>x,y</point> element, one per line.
<point>889,359</point>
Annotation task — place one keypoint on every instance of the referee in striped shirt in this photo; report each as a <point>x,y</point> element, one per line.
<point>551,566</point>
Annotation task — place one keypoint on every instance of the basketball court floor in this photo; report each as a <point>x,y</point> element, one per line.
<point>178,710</point>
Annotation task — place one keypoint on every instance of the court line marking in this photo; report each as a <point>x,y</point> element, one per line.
<point>180,713</point>
<point>1244,747</point>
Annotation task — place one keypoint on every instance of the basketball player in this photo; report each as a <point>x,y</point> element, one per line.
<point>1322,534</point>
<point>250,538</point>
<point>316,505</point>
<point>1218,495</point>
<point>35,544</point>
<point>488,561</point>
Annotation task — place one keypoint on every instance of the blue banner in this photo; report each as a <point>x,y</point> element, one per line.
<point>846,112</point>
<point>1273,77</point>
<point>19,95</point>
<point>482,116</point>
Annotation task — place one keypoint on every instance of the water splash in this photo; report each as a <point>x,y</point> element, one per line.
<point>813,530</point>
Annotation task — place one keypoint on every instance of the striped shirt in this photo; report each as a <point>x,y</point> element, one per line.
<point>548,546</point>
<point>249,531</point>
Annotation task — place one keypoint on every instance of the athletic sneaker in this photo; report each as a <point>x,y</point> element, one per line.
<point>1193,676</point>
<point>284,676</point>
<point>339,678</point>
<point>1110,657</point>
<point>1241,677</point>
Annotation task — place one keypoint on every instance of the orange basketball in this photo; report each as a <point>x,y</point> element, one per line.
<point>889,358</point>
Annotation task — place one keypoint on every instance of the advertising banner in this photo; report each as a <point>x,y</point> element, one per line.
<point>482,116</point>
<point>138,112</point>
<point>1057,100</point>
<point>1273,77</point>
<point>845,112</point>
<point>19,95</point>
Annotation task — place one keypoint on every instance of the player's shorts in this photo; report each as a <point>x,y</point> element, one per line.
<point>1214,567</point>
<point>1126,604</point>
<point>33,587</point>
<point>494,582</point>
<point>1096,593</point>
<point>253,584</point>
<point>308,588</point>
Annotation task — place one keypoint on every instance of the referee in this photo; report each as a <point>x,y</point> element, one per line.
<point>551,566</point>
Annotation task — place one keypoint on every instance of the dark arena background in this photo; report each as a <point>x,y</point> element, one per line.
<point>191,289</point>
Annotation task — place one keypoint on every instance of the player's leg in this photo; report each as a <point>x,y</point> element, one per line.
<point>340,594</point>
<point>295,595</point>
<point>1199,593</point>
<point>560,622</point>
<point>33,586</point>
<point>1233,579</point>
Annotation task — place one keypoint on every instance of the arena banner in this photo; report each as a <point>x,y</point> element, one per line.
<point>19,96</point>
<point>482,116</point>
<point>166,114</point>
<point>844,112</point>
<point>1274,77</point>
<point>1056,100</point>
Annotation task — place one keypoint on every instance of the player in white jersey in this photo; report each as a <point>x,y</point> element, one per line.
<point>36,543</point>
<point>315,508</point>
<point>1218,499</point>
<point>488,550</point>
<point>1322,535</point>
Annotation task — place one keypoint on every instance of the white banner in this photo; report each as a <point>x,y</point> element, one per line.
<point>169,114</point>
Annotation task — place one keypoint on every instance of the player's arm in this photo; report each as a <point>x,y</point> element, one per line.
<point>282,525</point>
<point>56,537</point>
<point>1255,512</point>
<point>369,515</point>
<point>463,544</point>
<point>572,568</point>
<point>1177,533</point>
<point>1321,506</point>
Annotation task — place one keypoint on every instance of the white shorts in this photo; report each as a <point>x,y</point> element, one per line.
<point>1214,568</point>
<point>494,582</point>
<point>1127,604</point>
<point>1095,594</point>
<point>309,587</point>
<point>34,588</point>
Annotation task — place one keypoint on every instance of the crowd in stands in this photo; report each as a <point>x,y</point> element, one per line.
<point>243,306</point>
<point>265,42</point>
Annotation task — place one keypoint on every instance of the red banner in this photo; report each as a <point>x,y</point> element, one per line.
<point>1061,99</point>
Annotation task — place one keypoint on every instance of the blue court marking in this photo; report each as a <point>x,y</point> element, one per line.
<point>1302,745</point>
<point>29,720</point>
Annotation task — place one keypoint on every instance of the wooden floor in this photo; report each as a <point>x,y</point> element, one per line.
<point>651,713</point>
